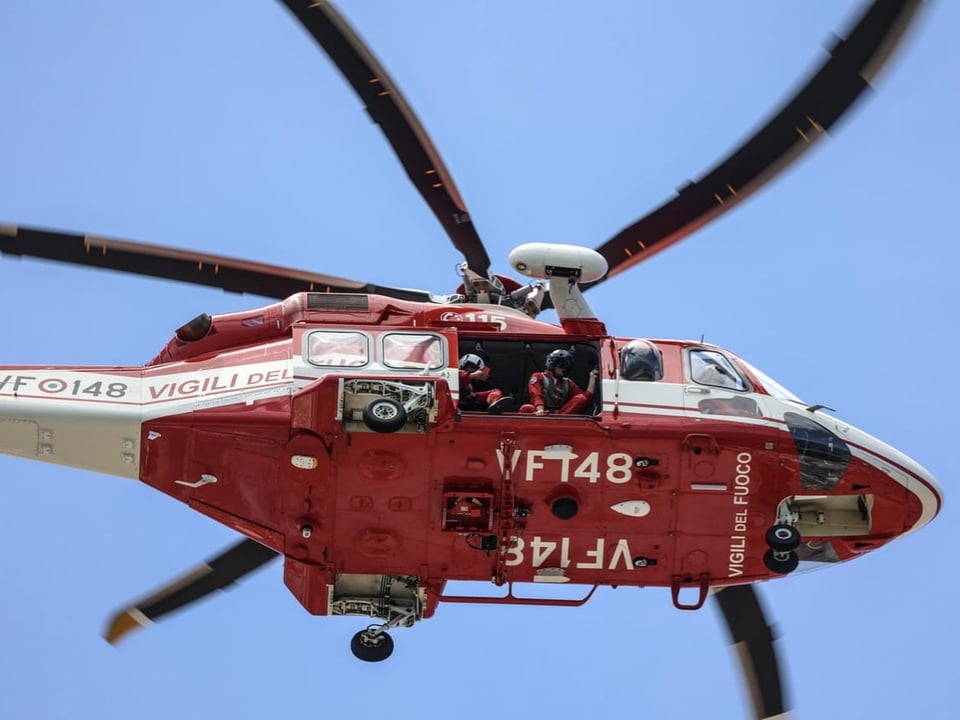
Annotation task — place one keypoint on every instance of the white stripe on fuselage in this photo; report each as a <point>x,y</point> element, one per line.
<point>92,418</point>
<point>666,400</point>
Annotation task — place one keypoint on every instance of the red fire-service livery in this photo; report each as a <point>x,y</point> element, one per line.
<point>674,477</point>
<point>334,428</point>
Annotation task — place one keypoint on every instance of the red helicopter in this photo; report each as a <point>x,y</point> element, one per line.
<point>297,424</point>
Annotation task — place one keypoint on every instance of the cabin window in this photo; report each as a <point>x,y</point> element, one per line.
<point>338,348</point>
<point>709,367</point>
<point>413,351</point>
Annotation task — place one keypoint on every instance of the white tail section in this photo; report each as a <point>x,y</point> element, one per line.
<point>91,417</point>
<point>82,417</point>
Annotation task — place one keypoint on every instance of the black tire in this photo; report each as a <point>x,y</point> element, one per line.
<point>371,648</point>
<point>780,566</point>
<point>384,415</point>
<point>783,538</point>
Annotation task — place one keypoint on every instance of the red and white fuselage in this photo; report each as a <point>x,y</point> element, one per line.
<point>671,480</point>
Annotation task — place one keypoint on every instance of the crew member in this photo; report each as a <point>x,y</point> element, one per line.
<point>474,370</point>
<point>551,391</point>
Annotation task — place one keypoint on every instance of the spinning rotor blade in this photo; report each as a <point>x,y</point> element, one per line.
<point>216,574</point>
<point>753,641</point>
<point>389,109</point>
<point>230,274</point>
<point>833,89</point>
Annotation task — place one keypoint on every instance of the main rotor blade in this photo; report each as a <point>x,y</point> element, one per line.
<point>389,109</point>
<point>240,276</point>
<point>753,640</point>
<point>829,93</point>
<point>216,574</point>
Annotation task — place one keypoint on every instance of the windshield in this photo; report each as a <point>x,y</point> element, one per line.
<point>770,385</point>
<point>823,455</point>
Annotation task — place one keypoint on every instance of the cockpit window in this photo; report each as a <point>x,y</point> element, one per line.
<point>709,367</point>
<point>640,360</point>
<point>772,386</point>
<point>823,456</point>
<point>412,351</point>
<point>337,348</point>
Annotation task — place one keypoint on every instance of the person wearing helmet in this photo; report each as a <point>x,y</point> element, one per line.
<point>551,391</point>
<point>474,370</point>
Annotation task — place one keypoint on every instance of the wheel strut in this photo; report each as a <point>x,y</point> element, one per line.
<point>374,644</point>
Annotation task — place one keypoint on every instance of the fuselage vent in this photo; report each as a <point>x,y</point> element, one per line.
<point>337,301</point>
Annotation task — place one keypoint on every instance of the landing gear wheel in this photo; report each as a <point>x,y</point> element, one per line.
<point>384,415</point>
<point>783,538</point>
<point>371,648</point>
<point>781,563</point>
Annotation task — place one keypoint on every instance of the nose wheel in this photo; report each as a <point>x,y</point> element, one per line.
<point>372,645</point>
<point>783,539</point>
<point>780,562</point>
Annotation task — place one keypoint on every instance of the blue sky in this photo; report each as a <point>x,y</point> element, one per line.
<point>219,126</point>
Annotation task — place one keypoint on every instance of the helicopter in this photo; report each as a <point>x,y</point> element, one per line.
<point>485,328</point>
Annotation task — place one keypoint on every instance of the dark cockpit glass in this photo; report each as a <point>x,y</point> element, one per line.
<point>640,360</point>
<point>823,456</point>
